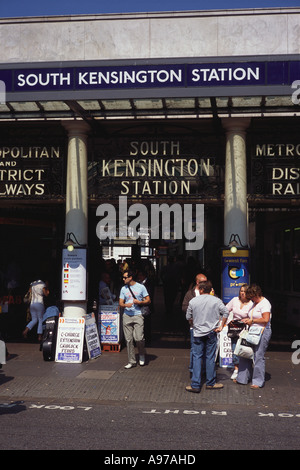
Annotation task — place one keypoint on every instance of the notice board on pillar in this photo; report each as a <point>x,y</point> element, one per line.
<point>74,275</point>
<point>235,272</point>
<point>70,339</point>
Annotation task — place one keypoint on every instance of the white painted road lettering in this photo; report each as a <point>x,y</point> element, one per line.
<point>152,411</point>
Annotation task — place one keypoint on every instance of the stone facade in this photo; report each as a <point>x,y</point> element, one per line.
<point>218,33</point>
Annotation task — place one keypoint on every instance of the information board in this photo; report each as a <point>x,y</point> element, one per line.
<point>74,274</point>
<point>92,336</point>
<point>70,339</point>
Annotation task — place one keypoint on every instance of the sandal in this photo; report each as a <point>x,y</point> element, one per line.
<point>254,387</point>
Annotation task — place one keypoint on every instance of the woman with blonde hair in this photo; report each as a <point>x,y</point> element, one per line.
<point>238,307</point>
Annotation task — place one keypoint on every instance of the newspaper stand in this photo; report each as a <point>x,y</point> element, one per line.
<point>110,328</point>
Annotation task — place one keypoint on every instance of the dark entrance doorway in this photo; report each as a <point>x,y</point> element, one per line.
<point>31,241</point>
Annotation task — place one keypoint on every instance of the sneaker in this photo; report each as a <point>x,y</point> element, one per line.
<point>234,375</point>
<point>142,361</point>
<point>129,365</point>
<point>215,387</point>
<point>191,389</point>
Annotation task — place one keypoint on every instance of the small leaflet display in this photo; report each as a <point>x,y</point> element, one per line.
<point>74,274</point>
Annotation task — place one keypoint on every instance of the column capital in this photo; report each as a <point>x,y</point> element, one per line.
<point>76,128</point>
<point>232,124</point>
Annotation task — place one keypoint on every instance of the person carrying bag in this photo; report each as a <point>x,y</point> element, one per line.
<point>145,309</point>
<point>133,297</point>
<point>259,336</point>
<point>239,308</point>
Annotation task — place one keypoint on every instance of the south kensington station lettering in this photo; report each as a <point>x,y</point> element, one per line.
<point>135,76</point>
<point>139,76</point>
<point>156,167</point>
<point>121,77</point>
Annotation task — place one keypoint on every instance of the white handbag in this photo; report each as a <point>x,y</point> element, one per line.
<point>243,349</point>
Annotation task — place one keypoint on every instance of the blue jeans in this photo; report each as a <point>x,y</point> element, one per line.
<point>191,353</point>
<point>37,311</point>
<point>255,370</point>
<point>204,347</point>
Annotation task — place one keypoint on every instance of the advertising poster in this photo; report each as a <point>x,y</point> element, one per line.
<point>109,324</point>
<point>74,274</point>
<point>235,272</point>
<point>70,339</point>
<point>225,352</point>
<point>92,336</point>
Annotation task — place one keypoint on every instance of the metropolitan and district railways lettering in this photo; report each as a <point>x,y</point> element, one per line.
<point>282,167</point>
<point>25,171</point>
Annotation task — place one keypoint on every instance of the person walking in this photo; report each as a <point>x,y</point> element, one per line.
<point>133,295</point>
<point>38,290</point>
<point>204,311</point>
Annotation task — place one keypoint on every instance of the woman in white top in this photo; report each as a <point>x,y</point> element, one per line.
<point>38,291</point>
<point>260,314</point>
<point>239,307</point>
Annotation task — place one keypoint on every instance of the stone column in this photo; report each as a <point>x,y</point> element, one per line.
<point>76,198</point>
<point>235,204</point>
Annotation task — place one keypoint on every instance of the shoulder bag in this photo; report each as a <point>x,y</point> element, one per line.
<point>254,333</point>
<point>145,309</point>
<point>27,297</point>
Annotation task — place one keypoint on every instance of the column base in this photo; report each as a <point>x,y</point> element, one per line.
<point>75,310</point>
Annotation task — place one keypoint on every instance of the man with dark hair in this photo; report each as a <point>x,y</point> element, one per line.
<point>204,313</point>
<point>191,293</point>
<point>132,296</point>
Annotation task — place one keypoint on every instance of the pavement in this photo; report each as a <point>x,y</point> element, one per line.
<point>162,381</point>
<point>26,376</point>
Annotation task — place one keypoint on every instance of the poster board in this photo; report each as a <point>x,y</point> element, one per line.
<point>92,336</point>
<point>235,272</point>
<point>109,324</point>
<point>74,274</point>
<point>70,339</point>
<point>225,351</point>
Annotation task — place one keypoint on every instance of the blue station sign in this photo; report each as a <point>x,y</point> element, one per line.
<point>119,77</point>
